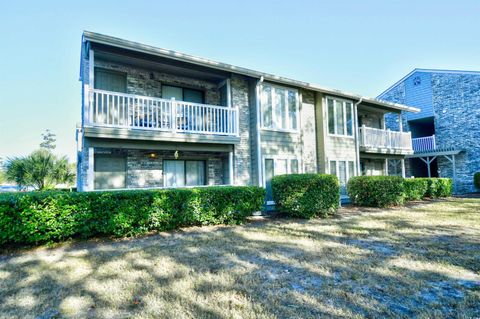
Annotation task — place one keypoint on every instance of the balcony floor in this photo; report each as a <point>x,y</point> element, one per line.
<point>138,134</point>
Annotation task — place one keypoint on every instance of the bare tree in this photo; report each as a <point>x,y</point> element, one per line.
<point>49,139</point>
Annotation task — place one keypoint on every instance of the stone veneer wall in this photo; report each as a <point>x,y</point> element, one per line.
<point>456,103</point>
<point>396,95</point>
<point>242,153</point>
<point>308,131</point>
<point>145,171</point>
<point>456,108</point>
<point>82,169</point>
<point>149,83</point>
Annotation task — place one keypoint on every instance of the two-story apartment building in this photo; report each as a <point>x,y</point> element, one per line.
<point>158,118</point>
<point>446,133</point>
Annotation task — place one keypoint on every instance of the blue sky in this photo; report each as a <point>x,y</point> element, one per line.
<point>357,46</point>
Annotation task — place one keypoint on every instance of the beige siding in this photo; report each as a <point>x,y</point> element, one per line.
<point>331,147</point>
<point>280,143</point>
<point>301,144</point>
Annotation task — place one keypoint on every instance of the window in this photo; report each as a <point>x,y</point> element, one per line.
<point>278,166</point>
<point>182,94</point>
<point>333,167</point>
<point>343,170</point>
<point>279,108</point>
<point>110,171</point>
<point>178,173</point>
<point>340,117</point>
<point>110,80</point>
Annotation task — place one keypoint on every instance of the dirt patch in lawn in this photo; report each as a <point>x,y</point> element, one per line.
<point>419,261</point>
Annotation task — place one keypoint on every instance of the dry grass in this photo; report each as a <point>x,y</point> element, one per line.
<point>420,261</point>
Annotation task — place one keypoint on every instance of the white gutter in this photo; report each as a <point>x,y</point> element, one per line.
<point>357,135</point>
<point>259,140</point>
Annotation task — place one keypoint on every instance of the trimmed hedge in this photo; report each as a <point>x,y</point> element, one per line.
<point>383,191</point>
<point>376,191</point>
<point>39,217</point>
<point>476,180</point>
<point>415,188</point>
<point>439,187</point>
<point>306,195</point>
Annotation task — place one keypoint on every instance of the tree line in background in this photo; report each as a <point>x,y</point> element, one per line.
<point>41,170</point>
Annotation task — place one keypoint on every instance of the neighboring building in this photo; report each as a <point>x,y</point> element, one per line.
<point>446,133</point>
<point>157,118</point>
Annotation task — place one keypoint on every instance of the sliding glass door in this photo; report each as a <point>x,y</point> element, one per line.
<point>179,173</point>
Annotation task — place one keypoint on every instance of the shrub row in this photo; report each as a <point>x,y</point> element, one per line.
<point>383,191</point>
<point>376,191</point>
<point>39,217</point>
<point>306,195</point>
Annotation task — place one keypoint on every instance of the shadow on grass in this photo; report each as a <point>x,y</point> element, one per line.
<point>280,268</point>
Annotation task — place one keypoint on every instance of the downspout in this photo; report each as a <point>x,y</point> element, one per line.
<point>357,135</point>
<point>259,146</point>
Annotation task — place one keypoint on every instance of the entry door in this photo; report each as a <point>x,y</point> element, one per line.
<point>269,173</point>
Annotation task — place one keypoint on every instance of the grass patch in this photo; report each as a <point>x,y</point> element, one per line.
<point>422,260</point>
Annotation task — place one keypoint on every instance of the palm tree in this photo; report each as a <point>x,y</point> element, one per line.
<point>41,170</point>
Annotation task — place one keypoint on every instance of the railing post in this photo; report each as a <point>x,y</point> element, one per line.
<point>174,115</point>
<point>363,135</point>
<point>389,139</point>
<point>433,142</point>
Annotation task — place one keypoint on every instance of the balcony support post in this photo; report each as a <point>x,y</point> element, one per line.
<point>230,168</point>
<point>402,163</point>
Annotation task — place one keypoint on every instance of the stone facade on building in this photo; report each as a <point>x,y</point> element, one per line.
<point>146,82</point>
<point>455,101</point>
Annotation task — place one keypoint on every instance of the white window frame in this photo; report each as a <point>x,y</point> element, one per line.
<point>344,106</point>
<point>275,127</point>
<point>275,158</point>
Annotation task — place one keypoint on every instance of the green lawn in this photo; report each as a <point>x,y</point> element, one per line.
<point>421,261</point>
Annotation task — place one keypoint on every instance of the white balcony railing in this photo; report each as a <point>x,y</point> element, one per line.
<point>424,144</point>
<point>119,110</point>
<point>377,138</point>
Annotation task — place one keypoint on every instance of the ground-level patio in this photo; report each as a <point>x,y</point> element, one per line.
<point>422,260</point>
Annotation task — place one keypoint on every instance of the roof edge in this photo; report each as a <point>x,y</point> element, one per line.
<point>139,47</point>
<point>427,71</point>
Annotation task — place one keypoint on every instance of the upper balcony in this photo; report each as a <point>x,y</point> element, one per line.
<point>424,144</point>
<point>374,140</point>
<point>121,115</point>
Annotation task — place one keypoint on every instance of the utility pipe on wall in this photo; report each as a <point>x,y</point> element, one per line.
<point>259,140</point>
